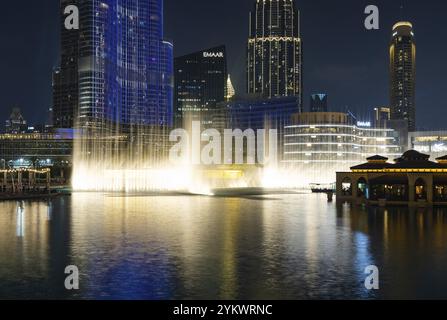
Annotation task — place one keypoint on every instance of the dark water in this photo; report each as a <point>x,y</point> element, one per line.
<point>186,247</point>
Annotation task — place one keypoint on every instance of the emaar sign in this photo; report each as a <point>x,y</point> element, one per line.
<point>366,124</point>
<point>213,54</point>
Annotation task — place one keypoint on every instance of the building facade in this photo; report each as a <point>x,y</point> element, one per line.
<point>16,123</point>
<point>258,113</point>
<point>65,77</point>
<point>201,81</point>
<point>117,68</point>
<point>318,144</point>
<point>38,150</point>
<point>433,143</point>
<point>274,55</point>
<point>412,179</point>
<point>382,115</point>
<point>403,74</point>
<point>318,102</point>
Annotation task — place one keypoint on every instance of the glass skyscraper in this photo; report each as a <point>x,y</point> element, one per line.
<point>274,62</point>
<point>403,74</point>
<point>124,66</point>
<point>65,78</point>
<point>200,83</point>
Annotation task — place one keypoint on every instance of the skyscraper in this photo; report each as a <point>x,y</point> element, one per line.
<point>274,62</point>
<point>119,66</point>
<point>200,83</point>
<point>403,74</point>
<point>65,78</point>
<point>318,102</point>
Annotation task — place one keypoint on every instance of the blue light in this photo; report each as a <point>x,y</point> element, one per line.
<point>135,82</point>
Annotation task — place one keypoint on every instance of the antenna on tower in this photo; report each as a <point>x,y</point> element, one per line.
<point>402,10</point>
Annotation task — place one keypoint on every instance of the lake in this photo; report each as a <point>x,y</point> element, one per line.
<point>279,246</point>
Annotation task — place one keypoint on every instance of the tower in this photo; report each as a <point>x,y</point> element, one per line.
<point>274,60</point>
<point>119,67</point>
<point>403,74</point>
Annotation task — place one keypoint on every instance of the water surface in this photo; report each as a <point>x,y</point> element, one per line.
<point>294,246</point>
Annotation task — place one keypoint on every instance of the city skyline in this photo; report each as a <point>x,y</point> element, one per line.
<point>369,90</point>
<point>160,180</point>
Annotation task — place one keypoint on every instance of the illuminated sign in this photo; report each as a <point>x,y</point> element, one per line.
<point>213,54</point>
<point>364,124</point>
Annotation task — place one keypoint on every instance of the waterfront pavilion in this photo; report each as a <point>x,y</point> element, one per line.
<point>411,179</point>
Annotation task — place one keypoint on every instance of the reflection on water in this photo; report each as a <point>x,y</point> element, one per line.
<point>20,219</point>
<point>186,247</point>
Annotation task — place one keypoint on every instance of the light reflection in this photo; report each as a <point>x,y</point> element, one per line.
<point>20,229</point>
<point>49,211</point>
<point>281,246</point>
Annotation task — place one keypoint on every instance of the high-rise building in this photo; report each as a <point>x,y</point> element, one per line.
<point>319,144</point>
<point>65,77</point>
<point>258,113</point>
<point>255,112</point>
<point>200,83</point>
<point>403,74</point>
<point>381,117</point>
<point>318,102</point>
<point>117,68</point>
<point>16,122</point>
<point>274,62</point>
<point>230,90</point>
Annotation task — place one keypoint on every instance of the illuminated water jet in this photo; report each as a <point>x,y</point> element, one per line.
<point>139,162</point>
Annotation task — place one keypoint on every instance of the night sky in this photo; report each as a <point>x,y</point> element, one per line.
<point>341,57</point>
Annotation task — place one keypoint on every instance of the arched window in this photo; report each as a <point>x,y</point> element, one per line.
<point>420,189</point>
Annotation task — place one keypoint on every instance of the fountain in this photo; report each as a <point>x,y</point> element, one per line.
<point>140,161</point>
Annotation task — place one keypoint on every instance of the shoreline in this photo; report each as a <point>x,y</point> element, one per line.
<point>54,193</point>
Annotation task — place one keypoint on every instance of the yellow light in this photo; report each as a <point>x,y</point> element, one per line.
<point>402,24</point>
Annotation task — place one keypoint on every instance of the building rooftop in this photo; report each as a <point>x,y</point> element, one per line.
<point>377,158</point>
<point>442,159</point>
<point>413,155</point>
<point>409,160</point>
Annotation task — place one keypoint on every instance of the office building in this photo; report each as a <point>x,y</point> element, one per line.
<point>317,144</point>
<point>201,80</point>
<point>318,103</point>
<point>117,69</point>
<point>382,115</point>
<point>65,77</point>
<point>38,150</point>
<point>258,113</point>
<point>16,122</point>
<point>403,74</point>
<point>274,56</point>
<point>255,112</point>
<point>433,143</point>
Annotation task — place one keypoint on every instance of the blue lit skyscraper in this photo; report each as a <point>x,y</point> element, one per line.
<point>125,67</point>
